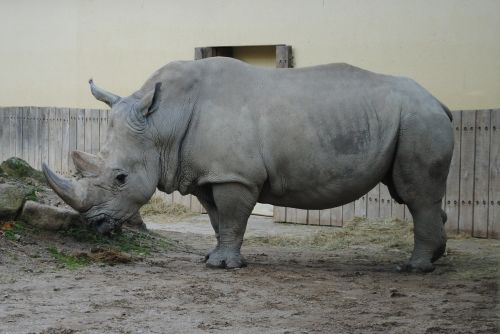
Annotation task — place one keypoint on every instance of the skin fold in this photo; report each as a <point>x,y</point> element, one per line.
<point>233,135</point>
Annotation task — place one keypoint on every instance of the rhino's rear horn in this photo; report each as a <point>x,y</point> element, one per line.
<point>87,164</point>
<point>104,96</point>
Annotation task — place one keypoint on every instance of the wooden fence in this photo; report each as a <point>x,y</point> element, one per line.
<point>472,199</point>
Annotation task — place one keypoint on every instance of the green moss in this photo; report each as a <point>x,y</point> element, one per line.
<point>69,261</point>
<point>18,168</point>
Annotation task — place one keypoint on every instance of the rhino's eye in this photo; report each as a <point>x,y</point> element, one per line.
<point>121,178</point>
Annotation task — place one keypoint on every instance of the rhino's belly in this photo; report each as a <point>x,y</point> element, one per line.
<point>325,184</point>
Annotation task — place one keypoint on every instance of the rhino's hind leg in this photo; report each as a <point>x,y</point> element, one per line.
<point>234,204</point>
<point>419,176</point>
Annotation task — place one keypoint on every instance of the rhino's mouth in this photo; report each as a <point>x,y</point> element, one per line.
<point>104,224</point>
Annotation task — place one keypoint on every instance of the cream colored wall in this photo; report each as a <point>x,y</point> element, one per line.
<point>48,49</point>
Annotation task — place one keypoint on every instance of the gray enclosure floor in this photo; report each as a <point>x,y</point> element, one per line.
<point>258,226</point>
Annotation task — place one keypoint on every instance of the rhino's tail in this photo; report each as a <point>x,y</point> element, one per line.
<point>446,110</point>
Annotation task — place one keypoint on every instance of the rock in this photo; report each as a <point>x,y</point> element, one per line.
<point>18,168</point>
<point>49,217</point>
<point>12,197</point>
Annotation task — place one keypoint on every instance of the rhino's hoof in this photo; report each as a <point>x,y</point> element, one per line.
<point>415,268</point>
<point>225,259</point>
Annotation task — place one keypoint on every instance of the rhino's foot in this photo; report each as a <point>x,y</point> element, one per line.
<point>412,267</point>
<point>225,258</point>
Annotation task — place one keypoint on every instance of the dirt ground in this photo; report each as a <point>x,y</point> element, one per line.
<point>300,279</point>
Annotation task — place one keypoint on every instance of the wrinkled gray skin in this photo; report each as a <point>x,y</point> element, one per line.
<point>233,135</point>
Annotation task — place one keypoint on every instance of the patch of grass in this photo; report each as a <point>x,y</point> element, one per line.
<point>10,229</point>
<point>69,261</point>
<point>388,234</point>
<point>129,241</point>
<point>158,205</point>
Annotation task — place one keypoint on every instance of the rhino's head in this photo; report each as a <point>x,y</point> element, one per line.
<point>112,185</point>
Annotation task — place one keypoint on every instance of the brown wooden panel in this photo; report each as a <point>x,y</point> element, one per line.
<point>65,140</point>
<point>397,210</point>
<point>313,217</point>
<point>325,217</point>
<point>279,214</point>
<point>336,216</point>
<point>302,216</point>
<point>467,171</point>
<point>347,212</point>
<point>73,137</point>
<point>373,207</point>
<point>494,184</point>
<point>80,130</point>
<point>12,132</point>
<point>291,215</point>
<point>44,135</point>
<point>481,173</point>
<point>51,141</point>
<point>4,133</point>
<point>384,202</point>
<point>195,204</point>
<point>25,134</point>
<point>103,127</point>
<point>360,207</point>
<point>19,131</point>
<point>96,142</point>
<point>452,200</point>
<point>88,130</point>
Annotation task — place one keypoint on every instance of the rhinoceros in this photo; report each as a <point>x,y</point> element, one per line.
<point>232,135</point>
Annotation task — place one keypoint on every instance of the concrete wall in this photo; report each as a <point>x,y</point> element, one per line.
<point>50,48</point>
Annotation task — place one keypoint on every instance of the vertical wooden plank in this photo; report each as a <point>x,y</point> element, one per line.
<point>26,138</point>
<point>397,210</point>
<point>19,131</point>
<point>72,134</point>
<point>13,131</point>
<point>103,127</point>
<point>325,217</point>
<point>4,133</point>
<point>481,174</point>
<point>96,142</point>
<point>195,204</point>
<point>467,172</point>
<point>279,214</point>
<point>348,212</point>
<point>88,130</point>
<point>452,201</point>
<point>291,215</point>
<point>44,135</point>
<point>301,216</point>
<point>65,141</point>
<point>373,207</point>
<point>80,129</point>
<point>58,136</point>
<point>494,180</point>
<point>313,217</point>
<point>336,216</point>
<point>52,137</point>
<point>38,148</point>
<point>360,207</point>
<point>385,202</point>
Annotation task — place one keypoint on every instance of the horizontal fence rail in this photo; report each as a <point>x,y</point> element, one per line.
<point>472,201</point>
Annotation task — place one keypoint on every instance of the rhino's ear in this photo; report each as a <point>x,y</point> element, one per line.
<point>150,102</point>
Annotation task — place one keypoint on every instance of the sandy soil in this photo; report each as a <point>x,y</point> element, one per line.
<point>288,287</point>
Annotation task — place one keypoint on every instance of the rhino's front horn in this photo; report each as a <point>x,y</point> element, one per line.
<point>69,190</point>
<point>86,163</point>
<point>104,96</point>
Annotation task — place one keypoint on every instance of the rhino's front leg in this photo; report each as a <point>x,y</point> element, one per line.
<point>234,203</point>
